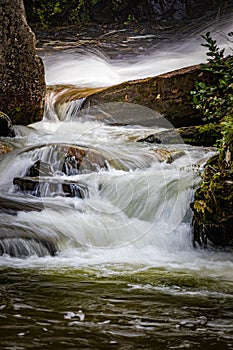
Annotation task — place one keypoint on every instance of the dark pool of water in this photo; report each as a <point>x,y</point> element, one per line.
<point>82,309</point>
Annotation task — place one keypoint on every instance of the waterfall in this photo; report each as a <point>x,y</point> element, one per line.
<point>83,185</point>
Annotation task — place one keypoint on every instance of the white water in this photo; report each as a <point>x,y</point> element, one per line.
<point>138,215</point>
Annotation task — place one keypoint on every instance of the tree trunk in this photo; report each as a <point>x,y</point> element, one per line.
<point>22,84</point>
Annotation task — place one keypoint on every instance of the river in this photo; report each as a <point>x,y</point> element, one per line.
<point>125,274</point>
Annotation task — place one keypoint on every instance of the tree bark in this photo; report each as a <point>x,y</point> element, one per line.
<point>22,83</point>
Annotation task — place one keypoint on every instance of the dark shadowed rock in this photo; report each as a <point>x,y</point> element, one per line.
<point>22,84</point>
<point>40,168</point>
<point>6,127</point>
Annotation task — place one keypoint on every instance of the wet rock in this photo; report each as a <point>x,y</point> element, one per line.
<point>22,84</point>
<point>22,248</point>
<point>151,139</point>
<point>43,187</point>
<point>40,168</point>
<point>6,127</point>
<point>218,234</point>
<point>78,159</point>
<point>167,156</point>
<point>106,11</point>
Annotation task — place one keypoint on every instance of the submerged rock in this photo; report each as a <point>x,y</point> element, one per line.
<point>22,242</point>
<point>40,168</point>
<point>13,205</point>
<point>22,248</point>
<point>42,187</point>
<point>167,137</point>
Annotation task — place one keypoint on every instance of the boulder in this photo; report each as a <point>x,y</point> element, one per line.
<point>22,83</point>
<point>167,94</point>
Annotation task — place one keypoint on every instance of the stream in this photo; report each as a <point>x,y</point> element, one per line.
<point>104,257</point>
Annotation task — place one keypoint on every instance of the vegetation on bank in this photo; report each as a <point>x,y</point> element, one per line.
<point>44,14</point>
<point>213,217</point>
<point>49,13</point>
<point>215,99</point>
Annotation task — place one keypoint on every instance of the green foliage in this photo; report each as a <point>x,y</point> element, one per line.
<point>227,129</point>
<point>215,99</point>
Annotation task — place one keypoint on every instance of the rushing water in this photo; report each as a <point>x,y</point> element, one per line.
<point>126,274</point>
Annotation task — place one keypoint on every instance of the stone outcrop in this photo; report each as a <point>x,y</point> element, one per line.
<point>22,84</point>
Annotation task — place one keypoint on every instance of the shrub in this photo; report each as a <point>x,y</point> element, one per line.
<point>215,99</point>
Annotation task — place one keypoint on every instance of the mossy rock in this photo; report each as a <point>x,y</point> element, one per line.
<point>213,203</point>
<point>201,135</point>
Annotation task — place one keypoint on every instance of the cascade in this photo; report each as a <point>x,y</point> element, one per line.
<point>96,186</point>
